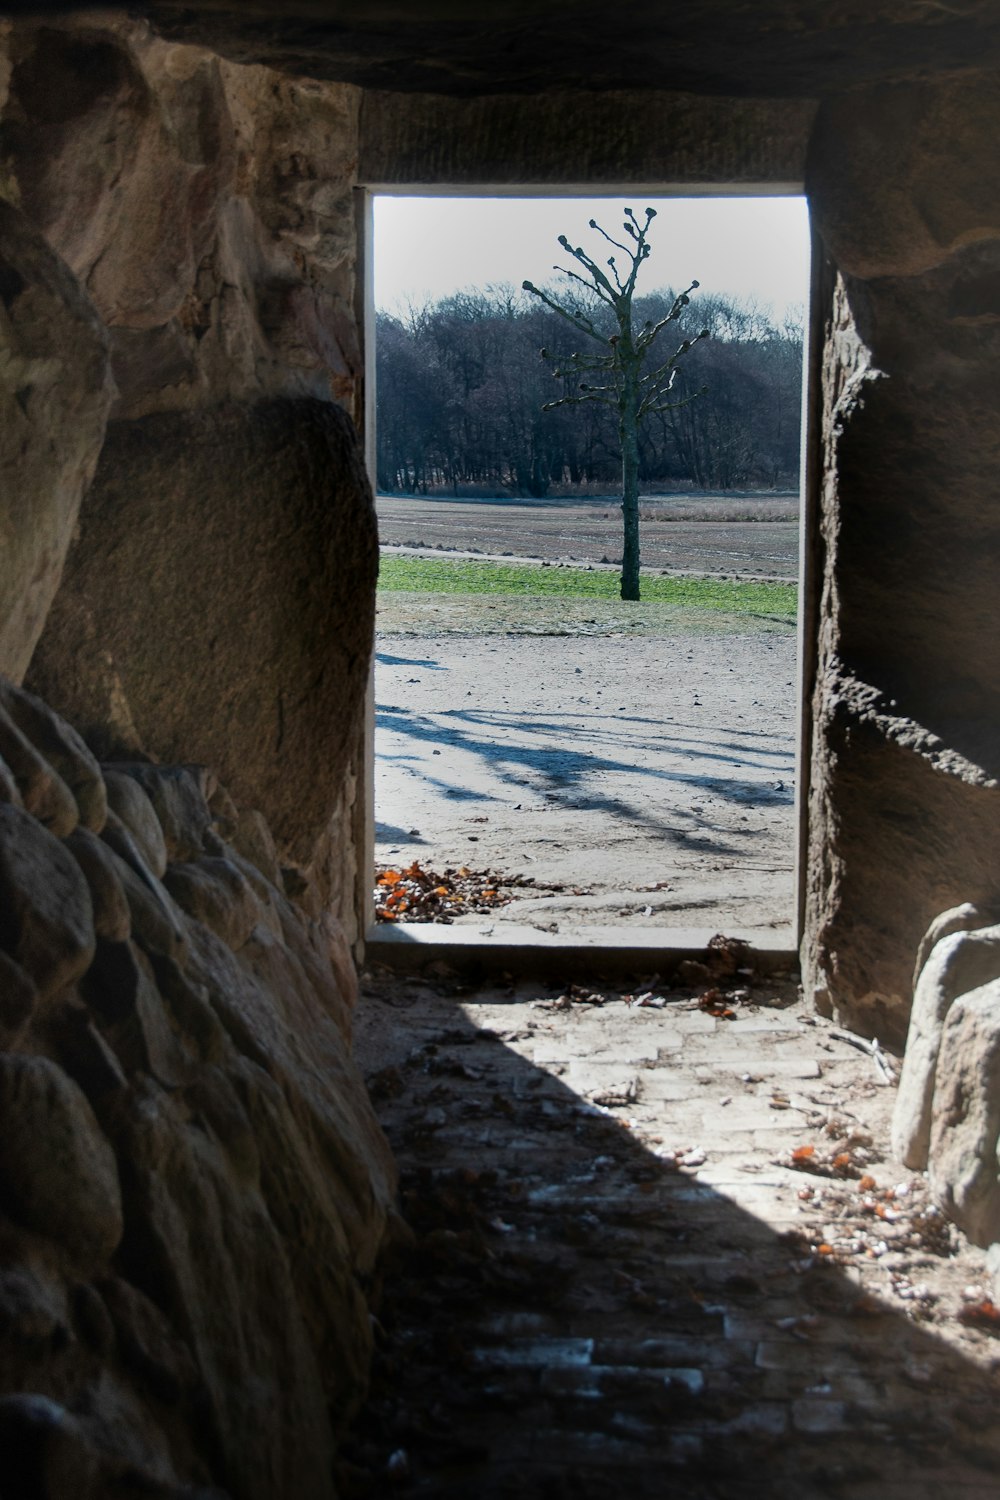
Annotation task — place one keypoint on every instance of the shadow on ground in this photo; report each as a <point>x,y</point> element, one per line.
<point>544,768</point>
<point>578,1316</point>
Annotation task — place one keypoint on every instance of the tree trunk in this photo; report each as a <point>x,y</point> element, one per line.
<point>629,433</point>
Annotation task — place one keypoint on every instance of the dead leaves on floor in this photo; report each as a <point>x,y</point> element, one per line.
<point>414,894</point>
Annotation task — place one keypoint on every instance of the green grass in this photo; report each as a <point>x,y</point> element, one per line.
<point>467,576</point>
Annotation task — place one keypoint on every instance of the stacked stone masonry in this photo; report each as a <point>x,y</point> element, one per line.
<point>193,1187</point>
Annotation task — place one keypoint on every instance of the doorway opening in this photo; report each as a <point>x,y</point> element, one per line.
<point>601,770</point>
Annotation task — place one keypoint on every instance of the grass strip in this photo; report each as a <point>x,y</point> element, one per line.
<point>431,575</point>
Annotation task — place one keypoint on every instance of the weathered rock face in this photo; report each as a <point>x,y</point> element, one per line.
<point>55,393</point>
<point>905,797</point>
<point>206,209</point>
<point>219,604</point>
<point>207,213</point>
<point>193,1187</point>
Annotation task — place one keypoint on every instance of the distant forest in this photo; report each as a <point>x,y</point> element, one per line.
<point>461,386</point>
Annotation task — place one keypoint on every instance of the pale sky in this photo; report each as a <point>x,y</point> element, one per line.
<point>428,248</point>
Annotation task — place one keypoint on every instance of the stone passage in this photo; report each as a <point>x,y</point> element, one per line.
<point>193,1187</point>
<point>661,1248</point>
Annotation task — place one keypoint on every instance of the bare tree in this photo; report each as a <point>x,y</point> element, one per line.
<point>633,394</point>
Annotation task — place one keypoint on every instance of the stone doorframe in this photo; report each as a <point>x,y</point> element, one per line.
<point>661,145</point>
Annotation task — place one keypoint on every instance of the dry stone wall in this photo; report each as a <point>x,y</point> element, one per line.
<point>194,1192</point>
<point>193,1187</point>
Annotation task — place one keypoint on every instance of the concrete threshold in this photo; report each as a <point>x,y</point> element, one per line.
<point>488,948</point>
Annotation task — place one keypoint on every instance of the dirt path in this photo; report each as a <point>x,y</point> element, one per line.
<point>651,777</point>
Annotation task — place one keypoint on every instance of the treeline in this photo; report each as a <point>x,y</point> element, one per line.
<point>461,386</point>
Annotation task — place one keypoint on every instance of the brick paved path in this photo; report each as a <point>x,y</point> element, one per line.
<point>660,1252</point>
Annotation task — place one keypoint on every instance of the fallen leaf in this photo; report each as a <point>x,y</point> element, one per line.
<point>983,1314</point>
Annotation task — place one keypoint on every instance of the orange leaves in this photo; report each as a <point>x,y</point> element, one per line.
<point>713,1002</point>
<point>835,1163</point>
<point>984,1314</point>
<point>418,895</point>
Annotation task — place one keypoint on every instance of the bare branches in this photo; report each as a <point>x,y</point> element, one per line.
<point>577,318</point>
<point>649,332</point>
<point>593,290</point>
<point>674,405</point>
<point>627,350</point>
<point>577,400</point>
<point>617,243</point>
<point>627,390</point>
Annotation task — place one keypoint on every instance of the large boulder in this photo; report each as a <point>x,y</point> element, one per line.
<point>219,604</point>
<point>55,394</point>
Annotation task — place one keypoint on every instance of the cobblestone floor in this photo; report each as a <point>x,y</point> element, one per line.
<point>660,1249</point>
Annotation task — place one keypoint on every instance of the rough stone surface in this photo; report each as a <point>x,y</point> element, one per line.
<point>207,212</point>
<point>129,802</point>
<point>206,208</point>
<point>964,1162</point>
<point>40,789</point>
<point>17,995</point>
<point>216,893</point>
<point>179,795</point>
<point>58,1175</point>
<point>957,964</point>
<point>55,393</point>
<point>46,917</point>
<point>620,136</point>
<point>63,750</point>
<point>193,1187</point>
<point>919,181</point>
<point>904,806</point>
<point>257,667</point>
<point>112,920</point>
<point>510,46</point>
<point>965,918</point>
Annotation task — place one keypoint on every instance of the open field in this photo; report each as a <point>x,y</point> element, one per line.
<point>752,536</point>
<point>763,598</point>
<point>641,757</point>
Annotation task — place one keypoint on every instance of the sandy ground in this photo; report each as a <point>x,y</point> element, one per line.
<point>652,777</point>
